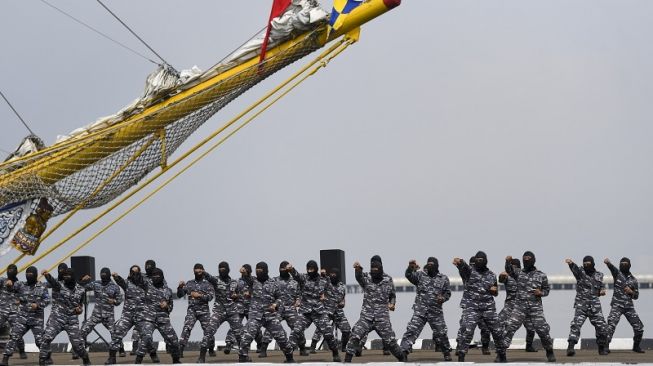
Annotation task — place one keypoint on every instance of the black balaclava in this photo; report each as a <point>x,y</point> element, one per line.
<point>247,276</point>
<point>60,269</point>
<point>432,267</point>
<point>223,271</point>
<point>262,272</point>
<point>311,269</point>
<point>31,275</point>
<point>481,261</point>
<point>157,277</point>
<point>135,275</point>
<point>69,278</point>
<point>376,271</point>
<point>282,270</point>
<point>515,263</point>
<point>624,266</point>
<point>376,258</point>
<point>105,276</point>
<point>472,260</point>
<point>198,270</point>
<point>334,275</point>
<point>12,272</point>
<point>529,264</point>
<point>588,265</point>
<point>150,265</point>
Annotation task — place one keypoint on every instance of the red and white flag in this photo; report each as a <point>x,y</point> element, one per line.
<point>278,7</point>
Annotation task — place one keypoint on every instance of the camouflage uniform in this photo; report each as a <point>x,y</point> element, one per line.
<point>510,285</point>
<point>227,308</point>
<point>589,286</point>
<point>311,309</point>
<point>156,315</point>
<point>478,304</point>
<point>198,308</point>
<point>290,294</point>
<point>107,297</point>
<point>264,296</point>
<point>622,303</point>
<point>379,296</point>
<point>432,290</point>
<point>242,302</point>
<point>9,304</point>
<point>66,307</point>
<point>132,310</point>
<point>334,304</point>
<point>27,318</point>
<point>485,331</point>
<point>528,304</point>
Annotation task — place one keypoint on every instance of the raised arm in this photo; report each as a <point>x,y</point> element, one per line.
<point>614,271</point>
<point>120,281</point>
<point>411,272</point>
<point>56,286</point>
<point>574,269</point>
<point>464,269</point>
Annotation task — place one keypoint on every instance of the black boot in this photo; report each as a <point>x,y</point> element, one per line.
<point>485,349</point>
<point>244,358</point>
<point>75,355</point>
<point>121,351</point>
<point>263,353</point>
<point>396,351</point>
<point>154,357</point>
<point>202,357</point>
<point>138,360</point>
<point>344,340</point>
<point>570,349</point>
<point>530,336</point>
<point>48,360</point>
<point>550,357</point>
<point>461,356</point>
<point>386,350</point>
<point>447,356</point>
<point>112,358</point>
<point>212,352</point>
<point>42,361</point>
<point>181,351</point>
<point>348,357</point>
<point>336,356</point>
<point>302,350</point>
<point>637,340</point>
<point>313,345</point>
<point>501,357</point>
<point>21,351</point>
<point>86,361</point>
<point>134,348</point>
<point>289,358</point>
<point>227,349</point>
<point>5,360</point>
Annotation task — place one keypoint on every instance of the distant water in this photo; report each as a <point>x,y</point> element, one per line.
<point>558,309</point>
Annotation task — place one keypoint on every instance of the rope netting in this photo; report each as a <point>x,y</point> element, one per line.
<point>89,171</point>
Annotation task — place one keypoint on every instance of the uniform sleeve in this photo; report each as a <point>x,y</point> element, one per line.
<point>601,283</point>
<point>446,289</point>
<point>169,300</point>
<point>545,287</point>
<point>411,275</point>
<point>575,270</point>
<point>208,293</point>
<point>301,280</point>
<point>56,286</point>
<point>392,296</point>
<point>635,288</point>
<point>342,293</point>
<point>44,301</point>
<point>118,298</point>
<point>181,291</point>
<point>512,272</point>
<point>614,271</point>
<point>464,270</point>
<point>121,282</point>
<point>360,278</point>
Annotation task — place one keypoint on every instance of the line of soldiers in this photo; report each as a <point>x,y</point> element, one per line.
<point>255,301</point>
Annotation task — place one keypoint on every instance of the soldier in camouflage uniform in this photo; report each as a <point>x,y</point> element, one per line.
<point>265,303</point>
<point>132,310</point>
<point>66,307</point>
<point>32,299</point>
<point>200,293</point>
<point>510,286</point>
<point>532,286</point>
<point>290,299</point>
<point>107,297</point>
<point>311,308</point>
<point>334,305</point>
<point>432,288</point>
<point>9,304</point>
<point>589,287</point>
<point>626,289</point>
<point>158,305</point>
<point>225,309</point>
<point>244,290</point>
<point>378,300</point>
<point>485,331</point>
<point>478,304</point>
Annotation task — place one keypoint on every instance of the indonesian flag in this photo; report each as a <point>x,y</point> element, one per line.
<point>278,7</point>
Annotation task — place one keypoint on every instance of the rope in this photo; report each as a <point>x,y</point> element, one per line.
<point>16,112</point>
<point>318,59</point>
<point>207,152</point>
<point>135,35</point>
<point>100,33</point>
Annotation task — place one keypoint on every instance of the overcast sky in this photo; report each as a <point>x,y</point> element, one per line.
<point>452,126</point>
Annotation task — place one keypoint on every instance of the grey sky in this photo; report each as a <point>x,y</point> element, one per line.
<point>452,126</point>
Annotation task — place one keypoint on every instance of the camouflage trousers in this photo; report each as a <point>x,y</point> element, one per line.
<point>56,324</point>
<point>631,315</point>
<point>127,321</point>
<point>218,317</point>
<point>595,316</point>
<point>364,326</point>
<point>20,326</point>
<point>289,315</point>
<point>271,323</point>
<point>471,318</point>
<point>192,317</point>
<point>162,324</point>
<point>533,315</point>
<point>435,318</point>
<point>485,334</point>
<point>339,321</point>
<point>87,327</point>
<point>322,324</point>
<point>230,339</point>
<point>10,318</point>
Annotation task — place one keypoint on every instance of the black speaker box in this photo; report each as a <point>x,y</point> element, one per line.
<point>83,265</point>
<point>330,258</point>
